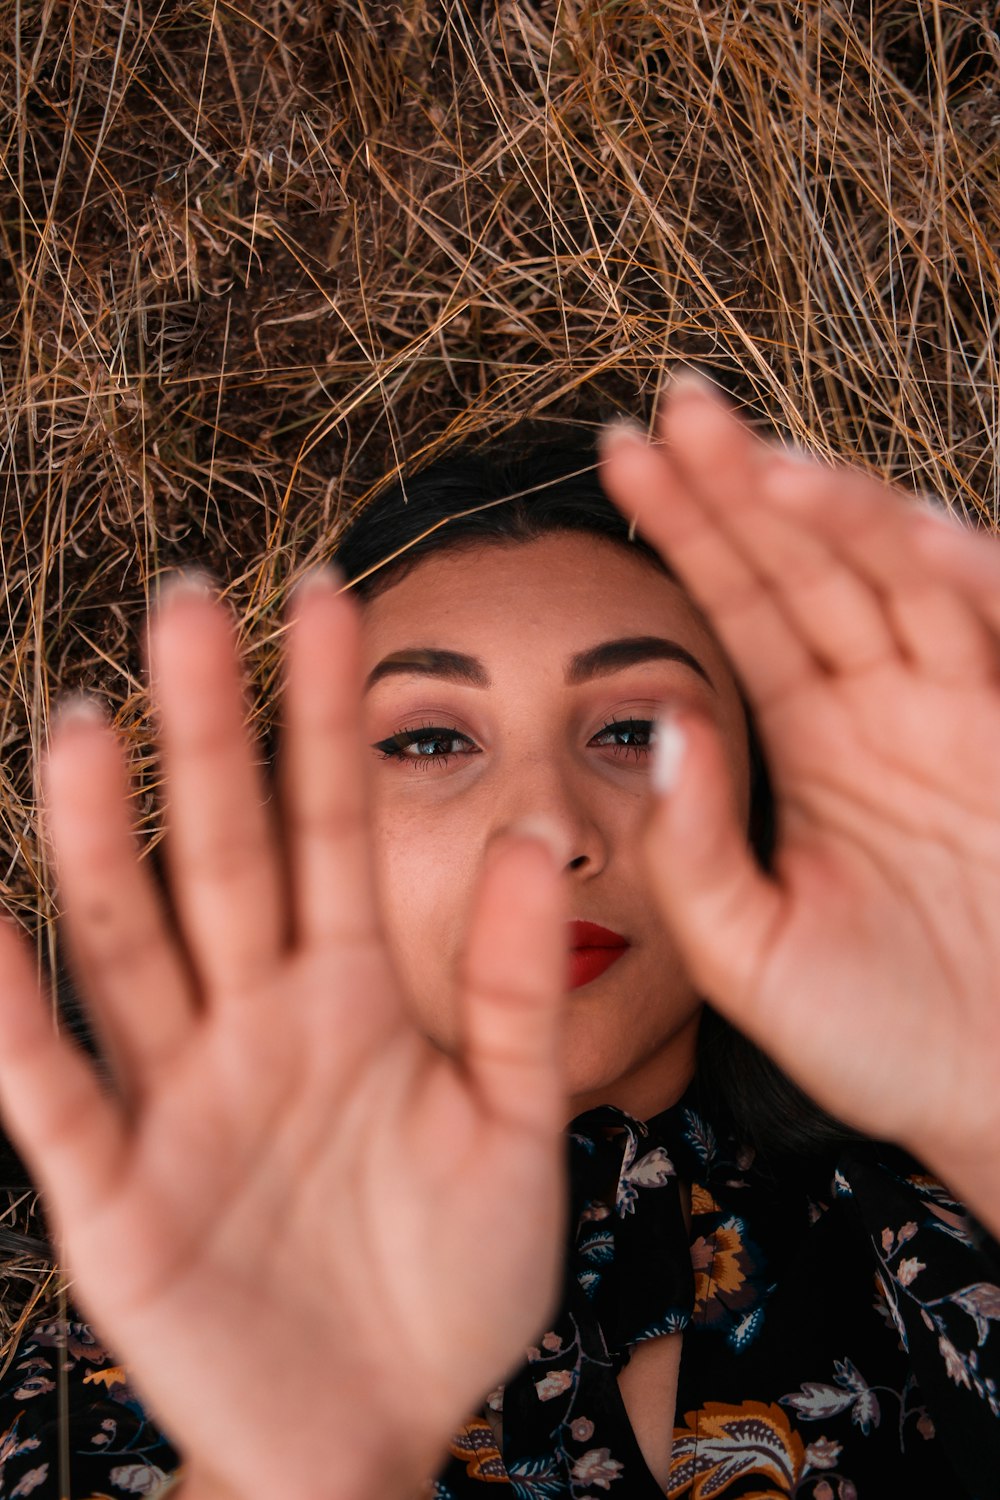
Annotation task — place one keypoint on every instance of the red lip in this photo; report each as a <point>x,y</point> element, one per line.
<point>586,964</point>
<point>590,935</point>
<point>592,950</point>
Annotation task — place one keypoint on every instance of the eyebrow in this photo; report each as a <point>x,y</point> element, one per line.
<point>595,661</point>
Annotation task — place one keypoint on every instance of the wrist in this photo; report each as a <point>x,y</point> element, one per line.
<point>351,1476</point>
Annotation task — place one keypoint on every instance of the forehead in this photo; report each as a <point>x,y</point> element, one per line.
<point>561,591</point>
<point>562,574</point>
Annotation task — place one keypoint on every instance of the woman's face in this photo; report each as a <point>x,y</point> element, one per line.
<point>531,738</point>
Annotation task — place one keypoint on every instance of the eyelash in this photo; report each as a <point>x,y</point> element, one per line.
<point>394,746</point>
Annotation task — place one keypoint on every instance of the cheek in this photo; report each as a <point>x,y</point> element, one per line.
<point>422,897</point>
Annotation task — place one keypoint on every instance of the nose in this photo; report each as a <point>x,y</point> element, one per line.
<point>549,791</point>
<point>551,833</point>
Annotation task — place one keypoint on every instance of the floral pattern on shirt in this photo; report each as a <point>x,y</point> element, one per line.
<point>112,1446</point>
<point>786,1273</point>
<point>844,1344</point>
<point>720,1444</point>
<point>728,1292</point>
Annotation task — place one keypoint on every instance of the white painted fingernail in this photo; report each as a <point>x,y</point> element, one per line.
<point>546,831</point>
<point>931,508</point>
<point>790,453</point>
<point>325,578</point>
<point>186,583</point>
<point>623,430</point>
<point>690,384</point>
<point>669,741</point>
<point>78,708</point>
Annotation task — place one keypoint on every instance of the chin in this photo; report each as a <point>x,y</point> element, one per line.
<point>642,1080</point>
<point>588,1087</point>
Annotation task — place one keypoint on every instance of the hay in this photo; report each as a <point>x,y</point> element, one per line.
<point>254,256</point>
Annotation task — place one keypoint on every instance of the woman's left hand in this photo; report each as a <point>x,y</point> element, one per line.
<point>866,635</point>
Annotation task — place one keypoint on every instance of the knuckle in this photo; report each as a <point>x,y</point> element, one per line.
<point>204,738</point>
<point>227,860</point>
<point>328,822</point>
<point>516,997</point>
<point>114,947</point>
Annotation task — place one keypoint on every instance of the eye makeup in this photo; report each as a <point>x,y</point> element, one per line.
<point>395,746</point>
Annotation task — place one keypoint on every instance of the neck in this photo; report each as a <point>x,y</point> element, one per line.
<point>652,1085</point>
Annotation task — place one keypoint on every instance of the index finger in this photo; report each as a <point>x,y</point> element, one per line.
<point>321,770</point>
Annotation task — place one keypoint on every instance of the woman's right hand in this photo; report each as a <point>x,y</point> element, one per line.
<point>314,1240</point>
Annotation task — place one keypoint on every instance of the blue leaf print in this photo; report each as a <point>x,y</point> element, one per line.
<point>600,1248</point>
<point>590,1281</point>
<point>746,1330</point>
<point>674,1321</point>
<point>701,1136</point>
<point>537,1479</point>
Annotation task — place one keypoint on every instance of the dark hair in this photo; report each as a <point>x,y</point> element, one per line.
<point>513,490</point>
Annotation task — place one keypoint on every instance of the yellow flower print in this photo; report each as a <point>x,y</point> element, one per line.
<point>721,1443</point>
<point>476,1444</point>
<point>702,1201</point>
<point>722,1266</point>
<point>113,1375</point>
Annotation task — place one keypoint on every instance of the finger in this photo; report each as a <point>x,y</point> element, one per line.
<point>512,981</point>
<point>71,1136</point>
<point>321,769</point>
<point>221,848</point>
<point>129,969</point>
<point>834,611</point>
<point>770,659</point>
<point>722,910</point>
<point>941,633</point>
<point>969,560</point>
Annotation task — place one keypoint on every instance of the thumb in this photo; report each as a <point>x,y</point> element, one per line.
<point>720,907</point>
<point>513,980</point>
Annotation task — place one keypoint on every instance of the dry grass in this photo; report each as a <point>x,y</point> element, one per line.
<point>253,256</point>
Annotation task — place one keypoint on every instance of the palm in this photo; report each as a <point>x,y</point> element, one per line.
<point>866,963</point>
<point>291,1176</point>
<point>242,1205</point>
<point>879,968</point>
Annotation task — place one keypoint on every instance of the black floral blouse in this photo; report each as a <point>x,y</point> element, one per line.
<point>839,1342</point>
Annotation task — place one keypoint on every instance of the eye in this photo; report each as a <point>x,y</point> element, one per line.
<point>638,731</point>
<point>395,747</point>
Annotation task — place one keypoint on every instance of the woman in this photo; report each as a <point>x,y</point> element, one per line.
<point>323,1215</point>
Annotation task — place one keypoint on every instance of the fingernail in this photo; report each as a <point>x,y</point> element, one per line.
<point>791,454</point>
<point>546,831</point>
<point>934,511</point>
<point>688,382</point>
<point>77,708</point>
<point>622,429</point>
<point>186,583</point>
<point>325,578</point>
<point>935,531</point>
<point>669,743</point>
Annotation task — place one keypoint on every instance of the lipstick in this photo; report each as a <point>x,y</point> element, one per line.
<point>592,950</point>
